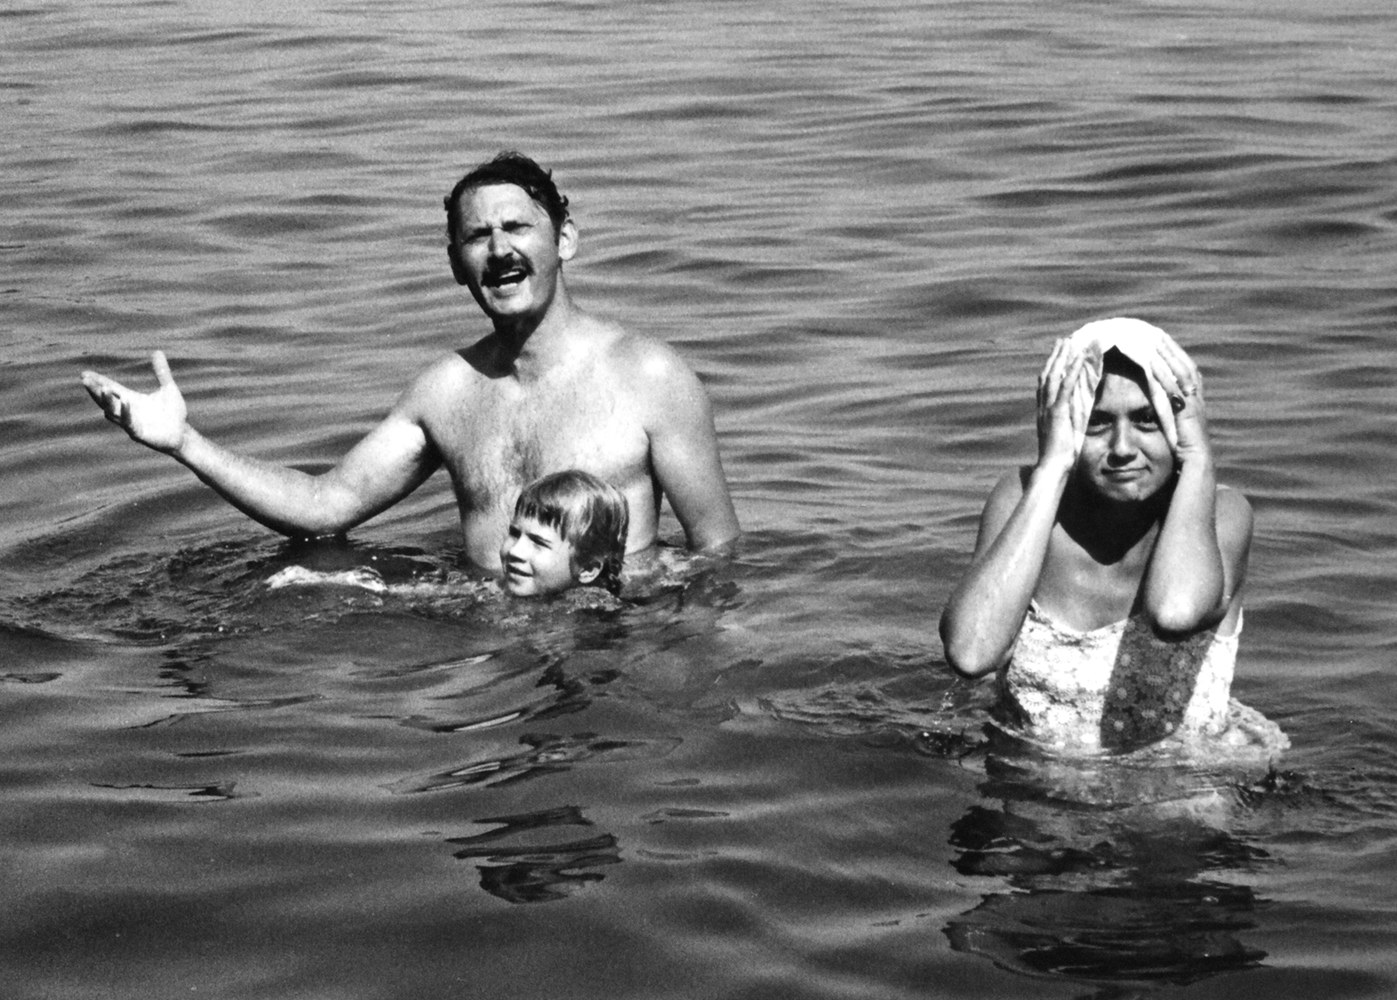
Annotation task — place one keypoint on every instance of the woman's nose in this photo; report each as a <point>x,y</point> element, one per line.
<point>1122,443</point>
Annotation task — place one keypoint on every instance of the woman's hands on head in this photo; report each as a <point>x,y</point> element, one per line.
<point>1178,384</point>
<point>1066,392</point>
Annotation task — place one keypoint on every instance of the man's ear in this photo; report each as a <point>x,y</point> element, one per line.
<point>567,241</point>
<point>588,574</point>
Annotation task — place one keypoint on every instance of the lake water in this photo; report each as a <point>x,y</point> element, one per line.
<point>863,225</point>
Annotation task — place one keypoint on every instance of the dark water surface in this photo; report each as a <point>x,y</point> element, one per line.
<point>863,225</point>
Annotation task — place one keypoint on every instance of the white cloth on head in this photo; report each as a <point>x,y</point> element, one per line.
<point>1139,341</point>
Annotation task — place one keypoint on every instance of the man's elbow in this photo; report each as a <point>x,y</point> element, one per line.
<point>331,511</point>
<point>715,533</point>
<point>715,543</point>
<point>307,527</point>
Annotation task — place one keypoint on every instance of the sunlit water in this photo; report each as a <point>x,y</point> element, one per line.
<point>863,224</point>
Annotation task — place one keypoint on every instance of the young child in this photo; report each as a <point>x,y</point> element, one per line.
<point>569,529</point>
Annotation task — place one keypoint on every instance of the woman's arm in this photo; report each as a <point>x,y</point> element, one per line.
<point>983,616</point>
<point>981,620</point>
<point>1199,559</point>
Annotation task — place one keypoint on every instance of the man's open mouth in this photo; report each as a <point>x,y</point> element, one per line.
<point>505,276</point>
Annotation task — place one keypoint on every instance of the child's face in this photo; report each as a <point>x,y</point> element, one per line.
<point>536,559</point>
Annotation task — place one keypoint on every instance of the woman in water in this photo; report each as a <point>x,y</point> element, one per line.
<point>1106,584</point>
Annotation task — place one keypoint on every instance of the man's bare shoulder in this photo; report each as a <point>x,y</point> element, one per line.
<point>440,381</point>
<point>648,360</point>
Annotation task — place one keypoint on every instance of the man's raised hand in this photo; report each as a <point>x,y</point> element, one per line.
<point>155,419</point>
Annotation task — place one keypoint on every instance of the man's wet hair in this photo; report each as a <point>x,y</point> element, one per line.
<point>510,167</point>
<point>588,513</point>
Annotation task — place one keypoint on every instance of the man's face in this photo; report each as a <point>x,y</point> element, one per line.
<point>536,560</point>
<point>1125,455</point>
<point>506,251</point>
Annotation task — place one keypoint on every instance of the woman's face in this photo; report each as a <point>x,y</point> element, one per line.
<point>1125,455</point>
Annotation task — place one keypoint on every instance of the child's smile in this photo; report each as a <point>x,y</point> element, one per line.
<point>536,559</point>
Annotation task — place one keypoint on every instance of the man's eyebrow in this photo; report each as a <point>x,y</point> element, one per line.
<point>481,228</point>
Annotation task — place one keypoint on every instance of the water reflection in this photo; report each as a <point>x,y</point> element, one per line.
<point>1117,876</point>
<point>534,858</point>
<point>544,754</point>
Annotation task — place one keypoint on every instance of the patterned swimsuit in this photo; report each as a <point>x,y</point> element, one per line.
<point>1116,688</point>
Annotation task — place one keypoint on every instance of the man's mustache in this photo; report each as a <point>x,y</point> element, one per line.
<point>496,269</point>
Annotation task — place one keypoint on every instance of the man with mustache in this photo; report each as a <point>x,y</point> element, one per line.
<point>550,388</point>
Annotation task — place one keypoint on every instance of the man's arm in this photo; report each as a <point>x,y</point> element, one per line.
<point>684,451</point>
<point>385,466</point>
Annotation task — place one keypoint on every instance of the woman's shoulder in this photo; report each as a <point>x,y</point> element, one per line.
<point>1233,499</point>
<point>1010,486</point>
<point>1234,516</point>
<point>1007,492</point>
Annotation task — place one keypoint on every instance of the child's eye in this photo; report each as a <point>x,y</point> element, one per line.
<point>1149,423</point>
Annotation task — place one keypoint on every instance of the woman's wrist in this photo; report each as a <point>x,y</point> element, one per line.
<point>1195,460</point>
<point>1052,469</point>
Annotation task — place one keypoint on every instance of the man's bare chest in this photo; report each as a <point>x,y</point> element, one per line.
<point>496,441</point>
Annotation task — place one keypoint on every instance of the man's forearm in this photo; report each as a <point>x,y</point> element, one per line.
<point>286,500</point>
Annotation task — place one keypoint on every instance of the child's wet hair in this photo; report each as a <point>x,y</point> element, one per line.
<point>589,514</point>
